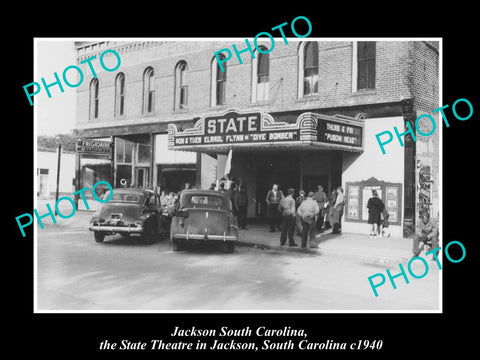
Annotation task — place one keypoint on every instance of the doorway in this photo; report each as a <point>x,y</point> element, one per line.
<point>141,176</point>
<point>280,168</point>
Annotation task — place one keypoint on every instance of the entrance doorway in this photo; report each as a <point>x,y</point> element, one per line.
<point>279,168</point>
<point>141,176</point>
<point>287,168</point>
<point>311,182</point>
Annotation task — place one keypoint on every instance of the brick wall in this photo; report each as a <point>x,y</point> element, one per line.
<point>424,80</point>
<point>335,79</point>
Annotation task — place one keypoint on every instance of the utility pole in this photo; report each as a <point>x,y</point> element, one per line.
<point>59,155</point>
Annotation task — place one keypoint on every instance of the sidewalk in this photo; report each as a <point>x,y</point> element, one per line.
<point>385,251</point>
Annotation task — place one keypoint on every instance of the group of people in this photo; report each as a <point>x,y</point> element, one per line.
<point>304,215</point>
<point>168,199</point>
<point>239,199</point>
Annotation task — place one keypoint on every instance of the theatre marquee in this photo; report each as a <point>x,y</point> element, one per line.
<point>254,129</point>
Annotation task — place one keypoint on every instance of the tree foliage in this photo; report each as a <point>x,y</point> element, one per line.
<point>50,142</point>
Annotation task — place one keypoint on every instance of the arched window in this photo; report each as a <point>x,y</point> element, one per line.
<point>219,81</point>
<point>261,76</point>
<point>148,91</point>
<point>94,98</point>
<point>308,69</point>
<point>120,95</point>
<point>181,85</point>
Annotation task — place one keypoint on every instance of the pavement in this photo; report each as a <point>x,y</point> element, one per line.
<point>383,250</point>
<point>387,251</point>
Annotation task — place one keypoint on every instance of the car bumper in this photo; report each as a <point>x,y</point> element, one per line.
<point>116,229</point>
<point>206,237</point>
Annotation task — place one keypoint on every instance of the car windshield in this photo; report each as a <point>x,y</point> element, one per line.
<point>204,200</point>
<point>126,198</point>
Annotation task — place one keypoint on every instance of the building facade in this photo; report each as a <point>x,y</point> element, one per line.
<point>47,163</point>
<point>302,115</point>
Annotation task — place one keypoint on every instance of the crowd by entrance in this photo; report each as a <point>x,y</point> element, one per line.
<point>304,215</point>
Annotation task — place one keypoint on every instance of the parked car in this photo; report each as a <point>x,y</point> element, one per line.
<point>203,216</point>
<point>130,211</point>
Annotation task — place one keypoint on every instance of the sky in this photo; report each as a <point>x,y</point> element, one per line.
<point>55,115</point>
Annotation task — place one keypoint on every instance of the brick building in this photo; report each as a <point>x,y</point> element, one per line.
<point>304,114</point>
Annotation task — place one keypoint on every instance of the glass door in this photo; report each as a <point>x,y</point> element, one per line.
<point>141,176</point>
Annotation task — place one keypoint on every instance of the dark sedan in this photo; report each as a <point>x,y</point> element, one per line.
<point>130,211</point>
<point>203,215</point>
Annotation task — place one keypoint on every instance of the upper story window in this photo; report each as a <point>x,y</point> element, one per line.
<point>366,53</point>
<point>120,95</point>
<point>308,69</point>
<point>261,76</point>
<point>181,85</point>
<point>219,81</point>
<point>94,98</point>
<point>148,91</point>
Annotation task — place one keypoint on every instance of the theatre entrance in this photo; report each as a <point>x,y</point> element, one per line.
<point>289,169</point>
<point>270,169</point>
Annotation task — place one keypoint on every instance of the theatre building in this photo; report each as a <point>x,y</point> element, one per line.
<point>302,115</point>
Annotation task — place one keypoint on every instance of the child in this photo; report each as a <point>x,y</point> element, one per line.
<point>384,224</point>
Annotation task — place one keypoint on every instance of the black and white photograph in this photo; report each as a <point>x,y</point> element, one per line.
<point>186,173</point>
<point>277,186</point>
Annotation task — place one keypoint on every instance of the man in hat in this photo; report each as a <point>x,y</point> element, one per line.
<point>287,210</point>
<point>425,234</point>
<point>308,211</point>
<point>320,197</point>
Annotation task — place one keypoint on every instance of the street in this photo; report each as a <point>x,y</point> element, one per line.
<point>75,273</point>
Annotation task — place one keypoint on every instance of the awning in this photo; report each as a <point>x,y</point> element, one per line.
<point>253,129</point>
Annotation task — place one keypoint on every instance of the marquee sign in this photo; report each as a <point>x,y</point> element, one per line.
<point>339,133</point>
<point>254,128</point>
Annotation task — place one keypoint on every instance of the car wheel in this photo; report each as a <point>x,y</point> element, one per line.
<point>99,236</point>
<point>229,247</point>
<point>175,244</point>
<point>149,234</point>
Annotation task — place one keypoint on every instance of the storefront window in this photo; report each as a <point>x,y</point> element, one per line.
<point>128,152</point>
<point>94,170</point>
<point>143,154</point>
<point>123,151</point>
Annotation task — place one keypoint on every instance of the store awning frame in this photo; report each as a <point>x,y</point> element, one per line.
<point>253,129</point>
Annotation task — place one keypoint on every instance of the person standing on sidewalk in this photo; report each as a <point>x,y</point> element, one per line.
<point>308,211</point>
<point>242,203</point>
<point>338,211</point>
<point>287,210</point>
<point>375,208</point>
<point>331,203</point>
<point>320,197</point>
<point>426,233</point>
<point>232,192</point>
<point>298,219</point>
<point>273,200</point>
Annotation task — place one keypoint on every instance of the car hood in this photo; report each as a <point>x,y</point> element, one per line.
<point>129,212</point>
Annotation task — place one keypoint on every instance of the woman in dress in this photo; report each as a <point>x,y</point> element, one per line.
<point>375,208</point>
